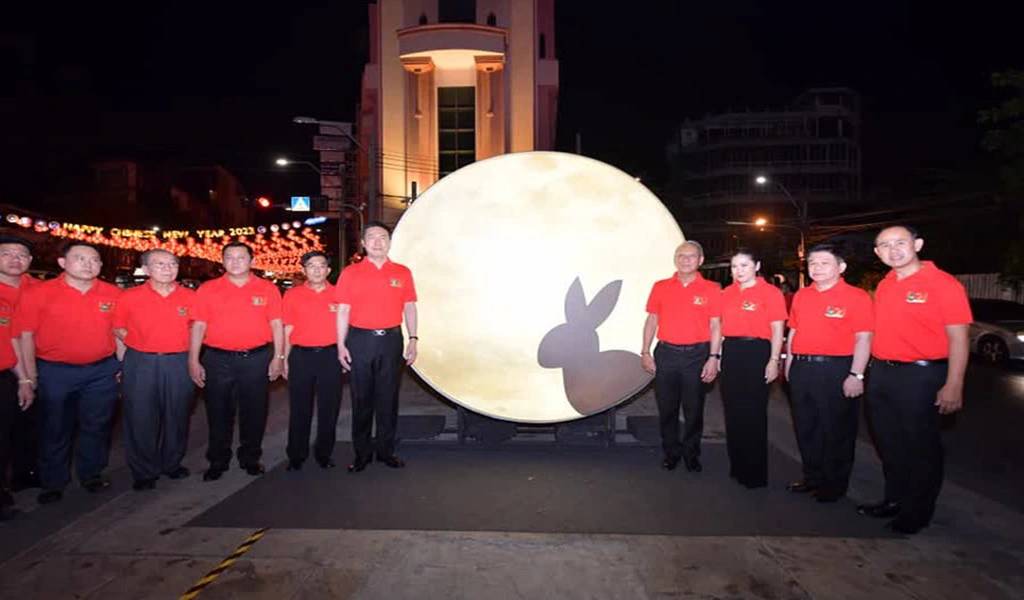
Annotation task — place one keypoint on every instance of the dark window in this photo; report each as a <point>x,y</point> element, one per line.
<point>456,11</point>
<point>423,18</point>
<point>492,20</point>
<point>543,50</point>
<point>456,128</point>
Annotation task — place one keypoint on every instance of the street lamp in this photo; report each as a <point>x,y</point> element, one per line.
<point>801,213</point>
<point>284,162</point>
<point>762,222</point>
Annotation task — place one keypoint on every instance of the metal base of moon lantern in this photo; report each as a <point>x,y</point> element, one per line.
<point>532,271</point>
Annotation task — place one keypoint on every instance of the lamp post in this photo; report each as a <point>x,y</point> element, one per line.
<point>801,213</point>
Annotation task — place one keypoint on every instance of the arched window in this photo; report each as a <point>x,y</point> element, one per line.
<point>423,18</point>
<point>492,20</point>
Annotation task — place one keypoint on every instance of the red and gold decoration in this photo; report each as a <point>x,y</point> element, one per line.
<point>277,247</point>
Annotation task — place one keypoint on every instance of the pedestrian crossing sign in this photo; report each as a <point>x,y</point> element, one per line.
<point>300,203</point>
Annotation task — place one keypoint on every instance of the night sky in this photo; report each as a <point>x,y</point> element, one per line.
<point>201,84</point>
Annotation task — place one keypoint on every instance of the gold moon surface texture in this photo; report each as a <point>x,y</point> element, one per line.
<point>532,272</point>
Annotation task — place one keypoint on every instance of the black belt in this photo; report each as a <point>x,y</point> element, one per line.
<point>379,332</point>
<point>916,363</point>
<point>158,353</point>
<point>242,353</point>
<point>315,348</point>
<point>685,347</point>
<point>90,364</point>
<point>820,358</point>
<point>744,338</point>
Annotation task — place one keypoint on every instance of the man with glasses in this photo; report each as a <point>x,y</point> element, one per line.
<point>919,356</point>
<point>17,391</point>
<point>153,321</point>
<point>238,318</point>
<point>67,341</point>
<point>311,363</point>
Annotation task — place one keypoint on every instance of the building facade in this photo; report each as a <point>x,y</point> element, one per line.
<point>450,82</point>
<point>811,147</point>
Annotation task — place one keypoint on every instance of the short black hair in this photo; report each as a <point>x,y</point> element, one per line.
<point>827,248</point>
<point>914,233</point>
<point>74,244</point>
<point>12,239</point>
<point>311,255</point>
<point>753,256</point>
<point>380,224</point>
<point>247,247</point>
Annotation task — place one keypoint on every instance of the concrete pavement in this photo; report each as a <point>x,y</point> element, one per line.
<point>127,544</point>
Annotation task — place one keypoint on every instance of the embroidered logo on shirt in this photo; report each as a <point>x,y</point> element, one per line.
<point>835,312</point>
<point>396,283</point>
<point>917,297</point>
<point>699,300</point>
<point>183,311</point>
<point>106,306</point>
<point>749,306</point>
<point>332,307</point>
<point>259,301</point>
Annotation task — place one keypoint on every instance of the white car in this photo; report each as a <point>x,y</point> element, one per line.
<point>997,334</point>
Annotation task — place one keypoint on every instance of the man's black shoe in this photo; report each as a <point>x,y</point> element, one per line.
<point>95,484</point>
<point>179,473</point>
<point>255,469</point>
<point>899,526</point>
<point>359,464</point>
<point>294,465</point>
<point>213,473</point>
<point>144,484</point>
<point>392,461</point>
<point>882,510</point>
<point>50,496</point>
<point>801,487</point>
<point>326,464</point>
<point>693,465</point>
<point>670,463</point>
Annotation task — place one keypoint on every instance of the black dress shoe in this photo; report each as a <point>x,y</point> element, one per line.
<point>213,473</point>
<point>50,496</point>
<point>392,461</point>
<point>179,473</point>
<point>882,510</point>
<point>255,469</point>
<point>294,465</point>
<point>144,484</point>
<point>96,485</point>
<point>326,464</point>
<point>693,465</point>
<point>359,464</point>
<point>670,463</point>
<point>903,527</point>
<point>801,487</point>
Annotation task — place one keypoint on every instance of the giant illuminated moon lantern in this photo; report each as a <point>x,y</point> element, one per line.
<point>532,271</point>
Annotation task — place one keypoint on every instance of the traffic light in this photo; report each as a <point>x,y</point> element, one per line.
<point>263,202</point>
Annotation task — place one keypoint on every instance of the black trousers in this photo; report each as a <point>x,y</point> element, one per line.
<point>906,427</point>
<point>236,380</point>
<point>157,394</point>
<point>745,399</point>
<point>825,421</point>
<point>8,411</point>
<point>313,369</point>
<point>677,384</point>
<point>377,365</point>
<point>24,456</point>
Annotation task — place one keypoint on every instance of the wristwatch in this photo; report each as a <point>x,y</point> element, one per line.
<point>717,355</point>
<point>281,356</point>
<point>859,376</point>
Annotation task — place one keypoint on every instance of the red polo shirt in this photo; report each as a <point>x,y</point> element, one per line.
<point>69,326</point>
<point>750,312</point>
<point>237,317</point>
<point>376,296</point>
<point>826,323</point>
<point>155,323</point>
<point>685,310</point>
<point>313,316</point>
<point>9,297</point>
<point>911,314</point>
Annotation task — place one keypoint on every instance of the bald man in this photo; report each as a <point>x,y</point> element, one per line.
<point>685,313</point>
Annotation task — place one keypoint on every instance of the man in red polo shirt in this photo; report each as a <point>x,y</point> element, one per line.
<point>829,346</point>
<point>373,296</point>
<point>238,318</point>
<point>17,391</point>
<point>311,348</point>
<point>67,340</point>
<point>153,320</point>
<point>919,356</point>
<point>685,310</point>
